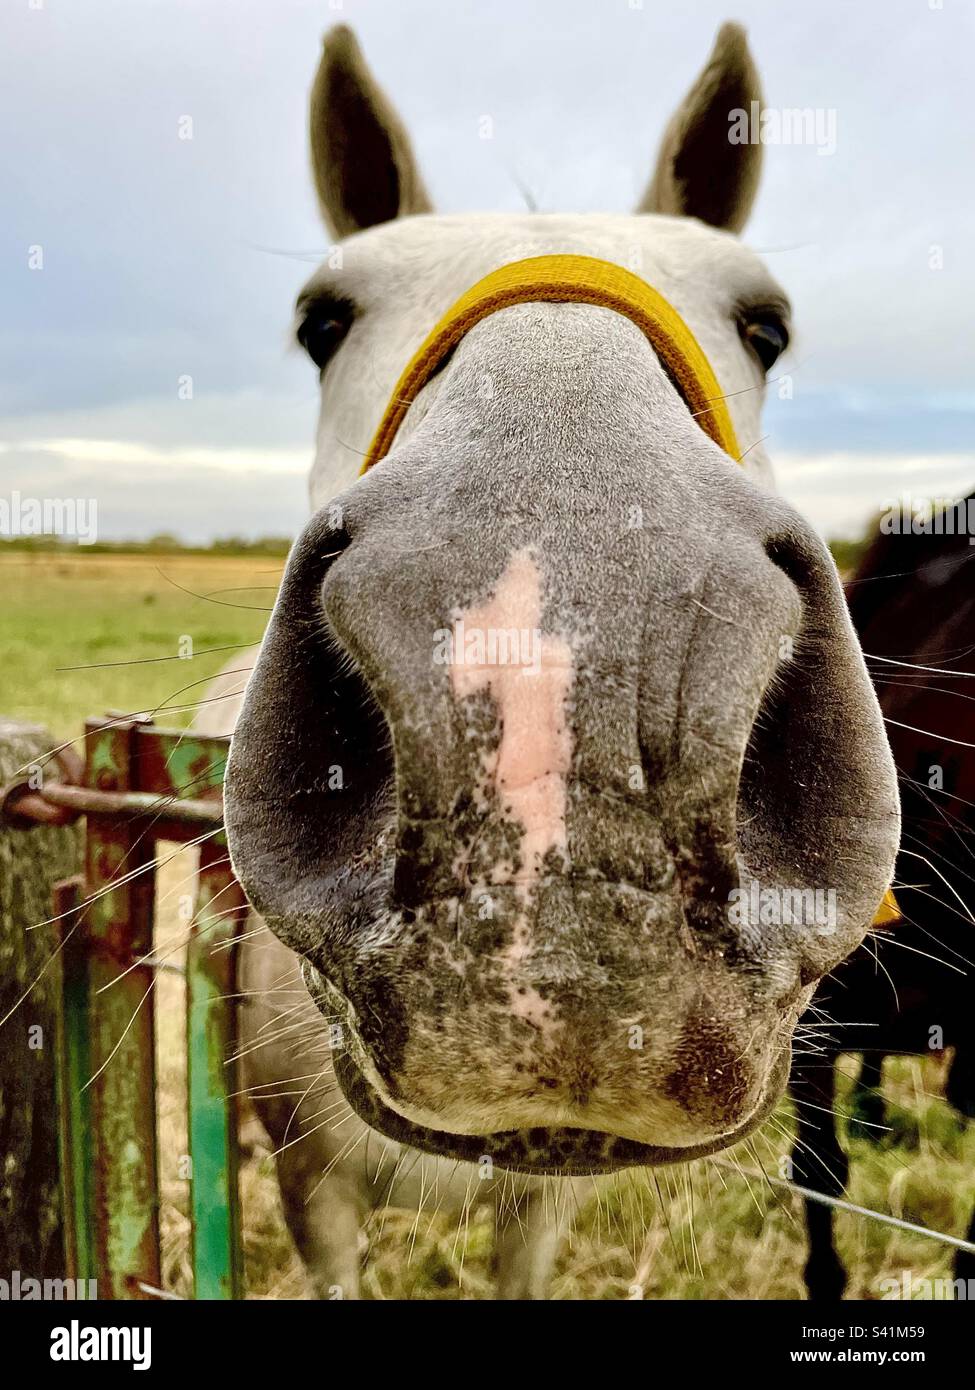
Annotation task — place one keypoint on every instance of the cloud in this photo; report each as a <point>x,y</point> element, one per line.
<point>215,466</point>
<point>839,492</point>
<point>194,500</point>
<point>109,454</point>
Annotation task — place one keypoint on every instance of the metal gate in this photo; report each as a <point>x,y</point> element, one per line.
<point>140,785</point>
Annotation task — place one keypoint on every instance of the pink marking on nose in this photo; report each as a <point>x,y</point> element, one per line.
<point>499,647</point>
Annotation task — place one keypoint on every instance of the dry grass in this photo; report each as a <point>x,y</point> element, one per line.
<point>700,1233</point>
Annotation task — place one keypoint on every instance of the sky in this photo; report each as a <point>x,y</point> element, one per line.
<point>165,258</point>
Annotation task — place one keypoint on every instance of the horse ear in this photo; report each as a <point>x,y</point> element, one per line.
<point>361,155</point>
<point>700,172</point>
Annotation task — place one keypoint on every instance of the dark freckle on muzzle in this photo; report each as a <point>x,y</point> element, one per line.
<point>712,1079</point>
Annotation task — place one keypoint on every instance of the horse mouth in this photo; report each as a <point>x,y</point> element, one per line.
<point>545,1150</point>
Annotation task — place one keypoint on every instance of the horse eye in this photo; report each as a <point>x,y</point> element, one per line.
<point>766,335</point>
<point>321,331</point>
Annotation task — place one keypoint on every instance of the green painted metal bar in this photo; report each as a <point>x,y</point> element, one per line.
<point>73,1070</point>
<point>118,923</point>
<point>211,1032</point>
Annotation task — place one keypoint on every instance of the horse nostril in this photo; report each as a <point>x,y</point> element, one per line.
<point>795,563</point>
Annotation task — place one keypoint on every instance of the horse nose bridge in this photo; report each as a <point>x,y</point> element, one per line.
<point>549,605</point>
<point>472,620</point>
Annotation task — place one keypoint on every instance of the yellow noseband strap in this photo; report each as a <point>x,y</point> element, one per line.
<point>888,911</point>
<point>568,280</point>
<point>579,280</point>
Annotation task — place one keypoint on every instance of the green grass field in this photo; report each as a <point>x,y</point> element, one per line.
<point>86,634</point>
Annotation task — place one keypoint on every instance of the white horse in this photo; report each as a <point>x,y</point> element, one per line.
<point>702,717</point>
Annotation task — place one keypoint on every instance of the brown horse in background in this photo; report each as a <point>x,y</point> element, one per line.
<point>908,988</point>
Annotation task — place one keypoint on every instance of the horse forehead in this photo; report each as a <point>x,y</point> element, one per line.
<point>404,265</point>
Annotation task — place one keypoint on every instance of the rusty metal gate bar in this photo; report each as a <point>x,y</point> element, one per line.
<point>141,785</point>
<point>117,928</point>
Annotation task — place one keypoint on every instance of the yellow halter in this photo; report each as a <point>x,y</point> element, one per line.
<point>565,279</point>
<point>568,280</point>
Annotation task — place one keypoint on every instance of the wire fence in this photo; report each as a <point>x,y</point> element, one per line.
<point>840,1204</point>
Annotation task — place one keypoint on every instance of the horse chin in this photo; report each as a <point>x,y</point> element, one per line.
<point>555,1151</point>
